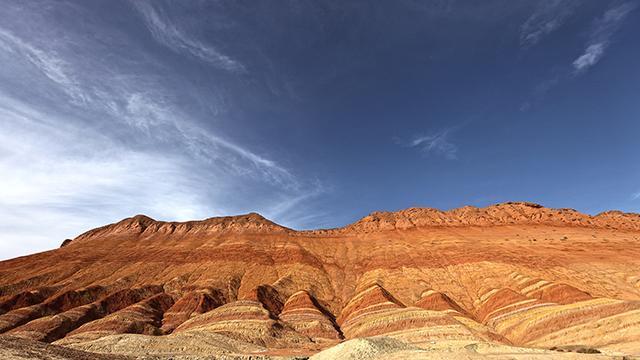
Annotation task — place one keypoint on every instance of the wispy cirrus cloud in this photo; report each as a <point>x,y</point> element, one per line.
<point>67,178</point>
<point>145,109</point>
<point>547,17</point>
<point>635,196</point>
<point>167,33</point>
<point>49,64</point>
<point>165,121</point>
<point>600,37</point>
<point>600,34</point>
<point>590,57</point>
<point>84,142</point>
<point>437,143</point>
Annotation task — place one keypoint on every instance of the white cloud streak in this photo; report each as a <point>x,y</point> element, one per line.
<point>50,65</point>
<point>590,57</point>
<point>141,109</point>
<point>437,143</point>
<point>166,121</point>
<point>600,38</point>
<point>600,35</point>
<point>125,146</point>
<point>635,196</point>
<point>547,17</point>
<point>65,179</point>
<point>170,35</point>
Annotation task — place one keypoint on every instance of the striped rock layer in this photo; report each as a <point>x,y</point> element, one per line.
<point>513,274</point>
<point>303,313</point>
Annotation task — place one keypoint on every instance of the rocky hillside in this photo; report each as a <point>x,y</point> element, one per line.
<point>513,278</point>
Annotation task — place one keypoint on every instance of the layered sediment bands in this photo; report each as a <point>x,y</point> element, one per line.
<point>514,274</point>
<point>269,297</point>
<point>373,298</point>
<point>54,327</point>
<point>144,317</point>
<point>24,299</point>
<point>558,316</point>
<point>191,304</point>
<point>525,326</point>
<point>303,313</point>
<point>557,293</point>
<point>144,225</point>
<point>497,302</point>
<point>509,213</point>
<point>237,310</point>
<point>619,333</point>
<point>248,321</point>
<point>53,305</point>
<point>375,312</point>
<point>549,291</point>
<point>433,300</point>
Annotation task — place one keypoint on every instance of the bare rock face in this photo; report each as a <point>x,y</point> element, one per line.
<point>24,299</point>
<point>303,313</point>
<point>269,297</point>
<point>500,214</point>
<point>433,300</point>
<point>470,280</point>
<point>53,305</point>
<point>369,300</point>
<point>54,327</point>
<point>247,321</point>
<point>141,225</point>
<point>189,305</point>
<point>144,317</point>
<point>560,294</point>
<point>235,311</point>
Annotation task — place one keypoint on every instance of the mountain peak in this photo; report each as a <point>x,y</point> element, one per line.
<point>507,213</point>
<point>142,225</point>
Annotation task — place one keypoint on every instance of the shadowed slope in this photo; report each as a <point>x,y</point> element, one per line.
<point>189,305</point>
<point>306,316</point>
<point>51,306</point>
<point>54,327</point>
<point>143,317</point>
<point>24,299</point>
<point>432,300</point>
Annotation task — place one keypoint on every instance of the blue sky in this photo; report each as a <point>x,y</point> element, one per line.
<point>313,113</point>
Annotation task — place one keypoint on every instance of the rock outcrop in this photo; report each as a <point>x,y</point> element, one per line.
<point>53,305</point>
<point>433,300</point>
<point>54,327</point>
<point>501,214</point>
<point>189,305</point>
<point>303,313</point>
<point>144,317</point>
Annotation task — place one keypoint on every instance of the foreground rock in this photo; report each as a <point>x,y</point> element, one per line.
<point>387,348</point>
<point>14,348</point>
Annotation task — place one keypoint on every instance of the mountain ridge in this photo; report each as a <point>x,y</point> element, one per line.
<point>507,213</point>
